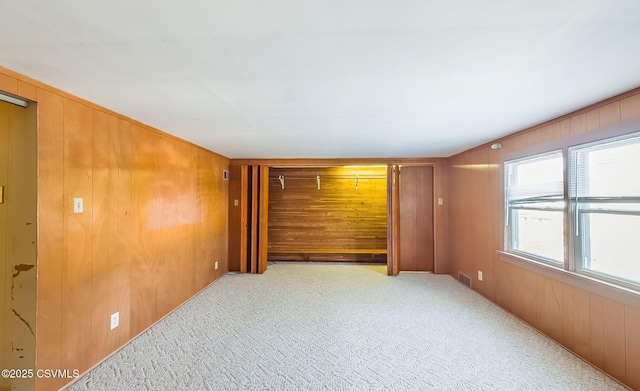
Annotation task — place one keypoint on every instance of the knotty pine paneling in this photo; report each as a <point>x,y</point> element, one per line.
<point>335,218</point>
<point>596,328</point>
<point>123,251</point>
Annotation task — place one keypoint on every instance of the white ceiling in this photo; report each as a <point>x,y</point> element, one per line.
<point>329,78</point>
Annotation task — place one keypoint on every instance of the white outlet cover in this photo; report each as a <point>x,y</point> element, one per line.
<point>216,265</point>
<point>479,275</point>
<point>115,320</point>
<point>440,201</point>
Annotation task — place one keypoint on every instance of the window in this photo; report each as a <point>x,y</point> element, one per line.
<point>535,207</point>
<point>605,198</point>
<point>594,210</point>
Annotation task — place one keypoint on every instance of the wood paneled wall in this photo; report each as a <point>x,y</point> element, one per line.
<point>154,224</point>
<point>337,218</point>
<point>600,330</point>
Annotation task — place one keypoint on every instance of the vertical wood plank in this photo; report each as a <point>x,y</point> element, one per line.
<point>219,204</point>
<point>609,114</point>
<point>145,237</point>
<point>565,128</point>
<point>582,323</point>
<point>78,168</point>
<point>125,231</point>
<point>614,339</point>
<point>597,332</point>
<point>8,84</point>
<point>593,120</point>
<point>632,325</point>
<point>552,313</point>
<point>254,219</point>
<point>539,301</point>
<point>579,124</point>
<point>244,217</point>
<point>114,233</point>
<point>179,266</point>
<point>27,91</point>
<point>567,316</point>
<point>441,218</point>
<point>393,236</point>
<point>263,225</point>
<point>630,108</point>
<point>50,235</point>
<point>100,261</point>
<point>204,256</point>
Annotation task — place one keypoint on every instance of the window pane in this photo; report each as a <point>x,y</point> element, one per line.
<point>603,170</point>
<point>540,176</point>
<point>540,233</point>
<point>613,245</point>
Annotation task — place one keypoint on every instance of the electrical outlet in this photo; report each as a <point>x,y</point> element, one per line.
<point>479,275</point>
<point>115,320</point>
<point>440,201</point>
<point>235,203</point>
<point>78,205</point>
<point>215,265</point>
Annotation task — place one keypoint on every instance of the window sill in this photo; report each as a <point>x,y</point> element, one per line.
<point>602,288</point>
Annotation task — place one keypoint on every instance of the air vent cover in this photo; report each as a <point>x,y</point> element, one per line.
<point>463,278</point>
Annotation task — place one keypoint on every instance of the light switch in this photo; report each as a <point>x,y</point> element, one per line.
<point>440,201</point>
<point>235,202</point>
<point>78,205</point>
<point>115,320</point>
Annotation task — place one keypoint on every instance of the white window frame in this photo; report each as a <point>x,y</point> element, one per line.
<point>511,207</point>
<point>579,216</point>
<point>571,272</point>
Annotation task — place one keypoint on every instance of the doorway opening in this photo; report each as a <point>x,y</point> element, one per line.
<point>18,232</point>
<point>373,214</point>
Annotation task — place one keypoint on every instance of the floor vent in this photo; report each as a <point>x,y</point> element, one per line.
<point>463,278</point>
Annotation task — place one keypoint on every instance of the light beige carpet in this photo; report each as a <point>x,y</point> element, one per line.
<point>342,327</point>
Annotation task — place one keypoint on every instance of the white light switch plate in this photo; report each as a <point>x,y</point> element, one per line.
<point>78,205</point>
<point>115,320</point>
